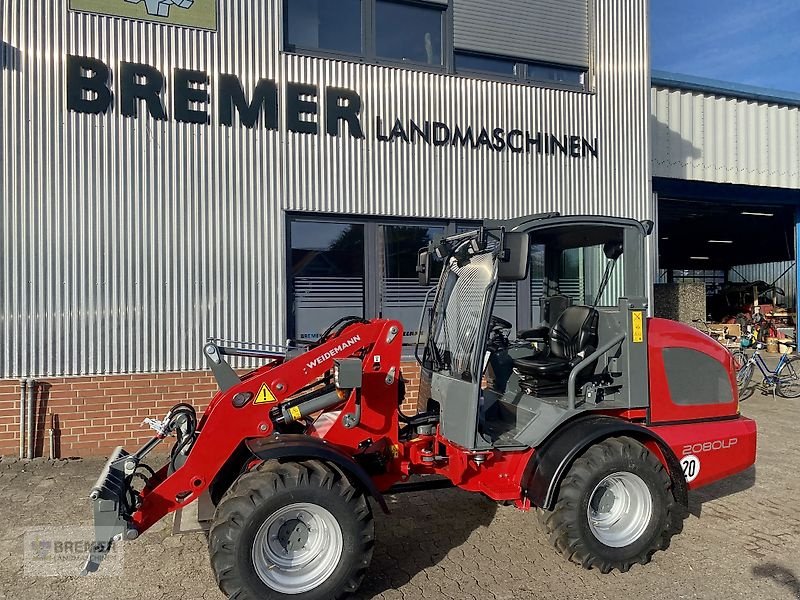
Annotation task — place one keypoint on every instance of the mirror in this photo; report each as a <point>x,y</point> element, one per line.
<point>516,255</point>
<point>424,267</point>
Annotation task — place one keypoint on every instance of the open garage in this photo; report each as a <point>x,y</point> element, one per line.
<point>725,187</point>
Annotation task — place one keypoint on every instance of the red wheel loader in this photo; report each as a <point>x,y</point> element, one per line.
<point>596,416</point>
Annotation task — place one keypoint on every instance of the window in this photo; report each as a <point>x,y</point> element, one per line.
<point>402,296</point>
<point>467,63</point>
<point>327,275</point>
<point>375,30</point>
<point>408,32</point>
<point>471,63</point>
<point>330,25</point>
<point>555,74</point>
<point>541,42</point>
<point>327,266</point>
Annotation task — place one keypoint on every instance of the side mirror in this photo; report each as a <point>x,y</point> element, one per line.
<point>424,267</point>
<point>516,255</point>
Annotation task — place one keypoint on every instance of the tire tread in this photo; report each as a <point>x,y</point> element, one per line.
<point>559,525</point>
<point>253,488</point>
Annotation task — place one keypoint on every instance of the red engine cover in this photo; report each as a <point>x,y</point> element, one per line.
<point>691,375</point>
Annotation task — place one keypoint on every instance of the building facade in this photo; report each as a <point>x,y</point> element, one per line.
<point>254,170</point>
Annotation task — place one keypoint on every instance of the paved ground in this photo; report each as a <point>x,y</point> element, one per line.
<point>742,540</point>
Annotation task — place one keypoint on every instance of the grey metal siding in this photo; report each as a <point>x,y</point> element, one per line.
<point>555,31</point>
<point>709,137</point>
<point>127,242</point>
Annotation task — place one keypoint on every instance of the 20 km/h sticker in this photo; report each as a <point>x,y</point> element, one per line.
<point>691,467</point>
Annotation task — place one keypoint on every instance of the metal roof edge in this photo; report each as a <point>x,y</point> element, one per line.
<point>723,88</point>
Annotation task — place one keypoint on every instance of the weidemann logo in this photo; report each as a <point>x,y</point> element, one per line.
<point>333,351</point>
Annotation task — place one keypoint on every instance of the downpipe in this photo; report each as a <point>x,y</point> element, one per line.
<point>51,437</point>
<point>31,390</point>
<point>23,383</point>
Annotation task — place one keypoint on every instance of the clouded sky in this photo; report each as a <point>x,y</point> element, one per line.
<point>755,42</point>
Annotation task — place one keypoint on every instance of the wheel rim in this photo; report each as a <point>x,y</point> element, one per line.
<point>620,509</point>
<point>297,548</point>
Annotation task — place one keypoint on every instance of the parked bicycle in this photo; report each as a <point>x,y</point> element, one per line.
<point>783,381</point>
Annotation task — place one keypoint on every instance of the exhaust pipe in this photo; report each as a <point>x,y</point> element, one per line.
<point>31,418</point>
<point>23,383</point>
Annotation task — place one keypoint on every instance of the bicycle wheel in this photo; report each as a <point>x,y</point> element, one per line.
<point>789,379</point>
<point>744,376</point>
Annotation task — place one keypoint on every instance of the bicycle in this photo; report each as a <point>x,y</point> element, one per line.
<point>783,381</point>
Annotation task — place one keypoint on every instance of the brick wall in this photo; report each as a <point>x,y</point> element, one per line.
<point>95,414</point>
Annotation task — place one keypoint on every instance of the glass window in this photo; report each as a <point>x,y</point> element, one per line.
<point>484,64</point>
<point>327,274</point>
<point>408,32</point>
<point>553,74</point>
<point>583,275</point>
<point>333,25</point>
<point>402,296</point>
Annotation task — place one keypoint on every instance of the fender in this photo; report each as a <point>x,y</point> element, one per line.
<point>551,461</point>
<point>294,447</point>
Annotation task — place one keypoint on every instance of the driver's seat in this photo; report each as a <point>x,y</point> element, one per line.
<point>572,338</point>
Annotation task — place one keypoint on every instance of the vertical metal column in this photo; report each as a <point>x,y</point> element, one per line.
<point>796,270</point>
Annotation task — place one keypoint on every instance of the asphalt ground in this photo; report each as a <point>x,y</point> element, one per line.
<point>742,540</point>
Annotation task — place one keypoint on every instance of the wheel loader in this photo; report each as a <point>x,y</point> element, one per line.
<point>596,418</point>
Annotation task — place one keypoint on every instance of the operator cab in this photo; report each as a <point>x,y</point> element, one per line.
<point>575,288</point>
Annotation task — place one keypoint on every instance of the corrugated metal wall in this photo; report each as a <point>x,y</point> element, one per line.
<point>707,137</point>
<point>782,274</point>
<point>126,242</point>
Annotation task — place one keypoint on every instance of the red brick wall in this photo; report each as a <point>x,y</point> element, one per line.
<point>95,414</point>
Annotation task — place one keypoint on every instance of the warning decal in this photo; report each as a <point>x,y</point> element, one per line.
<point>264,395</point>
<point>638,326</point>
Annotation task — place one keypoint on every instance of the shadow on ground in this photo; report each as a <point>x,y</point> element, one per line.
<point>780,575</point>
<point>422,529</point>
<point>733,485</point>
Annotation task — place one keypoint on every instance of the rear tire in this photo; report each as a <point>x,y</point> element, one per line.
<point>615,507</point>
<point>297,531</point>
<point>789,379</point>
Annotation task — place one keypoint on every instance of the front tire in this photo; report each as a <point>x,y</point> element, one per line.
<point>615,507</point>
<point>297,530</point>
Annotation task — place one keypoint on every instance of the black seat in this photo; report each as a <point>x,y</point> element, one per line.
<point>551,308</point>
<point>570,340</point>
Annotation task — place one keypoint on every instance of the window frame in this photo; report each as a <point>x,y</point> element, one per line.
<point>369,54</point>
<point>372,285</point>
<point>521,72</point>
<point>449,51</point>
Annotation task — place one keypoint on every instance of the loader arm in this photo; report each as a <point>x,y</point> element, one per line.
<point>227,424</point>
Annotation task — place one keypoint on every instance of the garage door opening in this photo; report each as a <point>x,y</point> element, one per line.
<point>728,266</point>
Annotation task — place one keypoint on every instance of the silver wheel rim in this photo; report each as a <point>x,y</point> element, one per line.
<point>620,509</point>
<point>297,548</point>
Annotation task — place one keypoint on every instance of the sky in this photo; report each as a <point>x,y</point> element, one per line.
<point>753,42</point>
